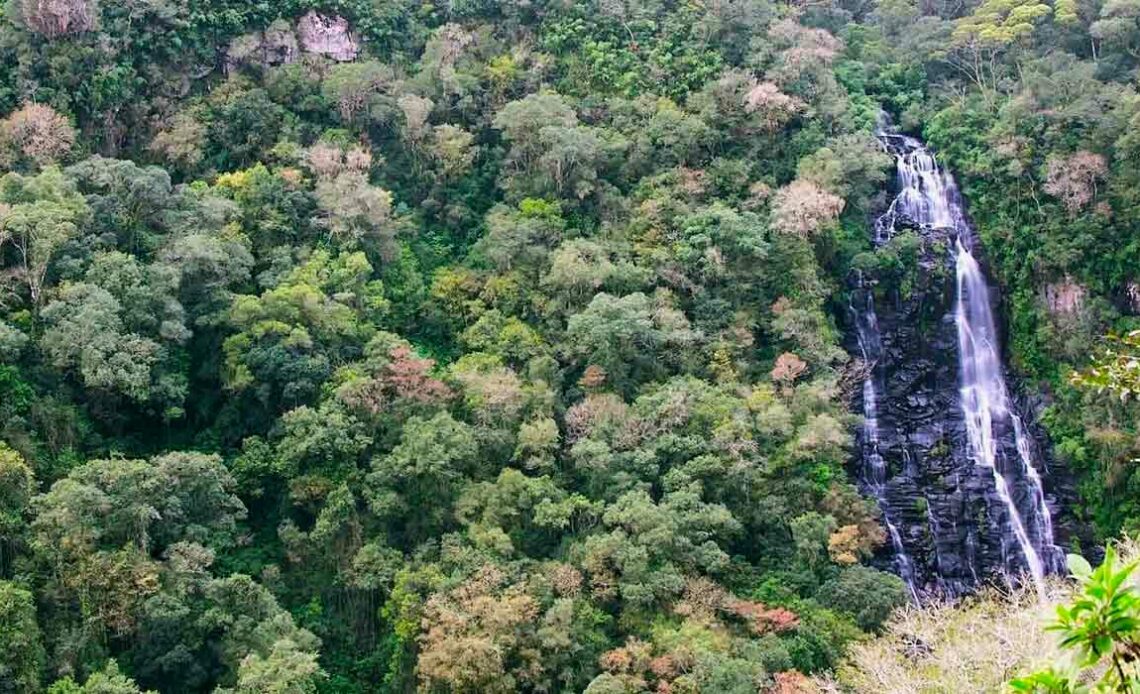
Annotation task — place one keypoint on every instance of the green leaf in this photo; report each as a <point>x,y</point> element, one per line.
<point>1078,566</point>
<point>1102,644</point>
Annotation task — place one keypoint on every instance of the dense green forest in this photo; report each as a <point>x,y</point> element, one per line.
<point>381,346</point>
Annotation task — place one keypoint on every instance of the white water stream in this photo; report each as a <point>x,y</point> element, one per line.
<point>874,472</point>
<point>928,197</point>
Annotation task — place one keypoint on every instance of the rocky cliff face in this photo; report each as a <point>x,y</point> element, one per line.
<point>957,522</point>
<point>283,42</point>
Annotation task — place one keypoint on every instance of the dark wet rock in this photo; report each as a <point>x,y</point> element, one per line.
<point>953,528</point>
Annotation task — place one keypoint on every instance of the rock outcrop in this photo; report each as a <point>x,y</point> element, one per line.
<point>282,42</point>
<point>1065,297</point>
<point>329,36</point>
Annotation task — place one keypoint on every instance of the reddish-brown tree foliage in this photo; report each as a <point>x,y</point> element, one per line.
<point>595,411</point>
<point>762,619</point>
<point>634,657</point>
<point>38,133</point>
<point>803,50</point>
<point>326,161</point>
<point>404,380</point>
<point>705,600</point>
<point>471,633</point>
<point>803,208</point>
<point>788,368</point>
<point>55,18</point>
<point>566,580</point>
<point>773,107</point>
<point>1072,180</point>
<point>593,377</point>
<point>793,682</point>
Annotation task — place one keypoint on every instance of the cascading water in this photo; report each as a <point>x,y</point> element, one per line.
<point>986,407</point>
<point>874,470</point>
<point>966,502</point>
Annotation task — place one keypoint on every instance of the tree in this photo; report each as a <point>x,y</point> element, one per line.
<point>516,513</point>
<point>570,161</point>
<point>804,209</point>
<point>108,680</point>
<point>1001,22</point>
<point>629,336</point>
<point>86,333</point>
<point>538,443</point>
<point>191,492</point>
<point>446,70</point>
<point>146,294</point>
<point>209,269</point>
<point>717,248</point>
<point>493,393</point>
<point>1100,626</point>
<point>454,149</point>
<point>1118,25</point>
<point>425,472</point>
<point>286,670</point>
<point>54,19</point>
<point>21,653</point>
<point>523,121</point>
<point>395,383</point>
<point>1116,369</point>
<point>17,486</point>
<point>802,65</point>
<point>850,166</point>
<point>1073,179</point>
<point>508,338</point>
<point>773,107</point>
<point>12,342</point>
<point>182,143</point>
<point>993,26</point>
<point>35,133</point>
<point>650,547</point>
<point>43,213</point>
<point>810,533</point>
<point>97,530</point>
<point>660,134</point>
<point>476,635</point>
<point>320,313</point>
<point>868,595</point>
<point>256,640</point>
<point>361,91</point>
<point>416,110</point>
<point>129,203</point>
<point>522,237</point>
<point>244,123</point>
<point>808,331</point>
<point>355,210</point>
<point>551,153</point>
<point>579,268</point>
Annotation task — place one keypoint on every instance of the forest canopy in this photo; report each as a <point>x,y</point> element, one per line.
<point>496,346</point>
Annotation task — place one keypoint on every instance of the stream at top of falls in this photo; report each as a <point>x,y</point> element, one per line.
<point>995,446</point>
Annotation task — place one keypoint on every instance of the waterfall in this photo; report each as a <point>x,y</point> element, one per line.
<point>986,408</point>
<point>874,470</point>
<point>996,451</point>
